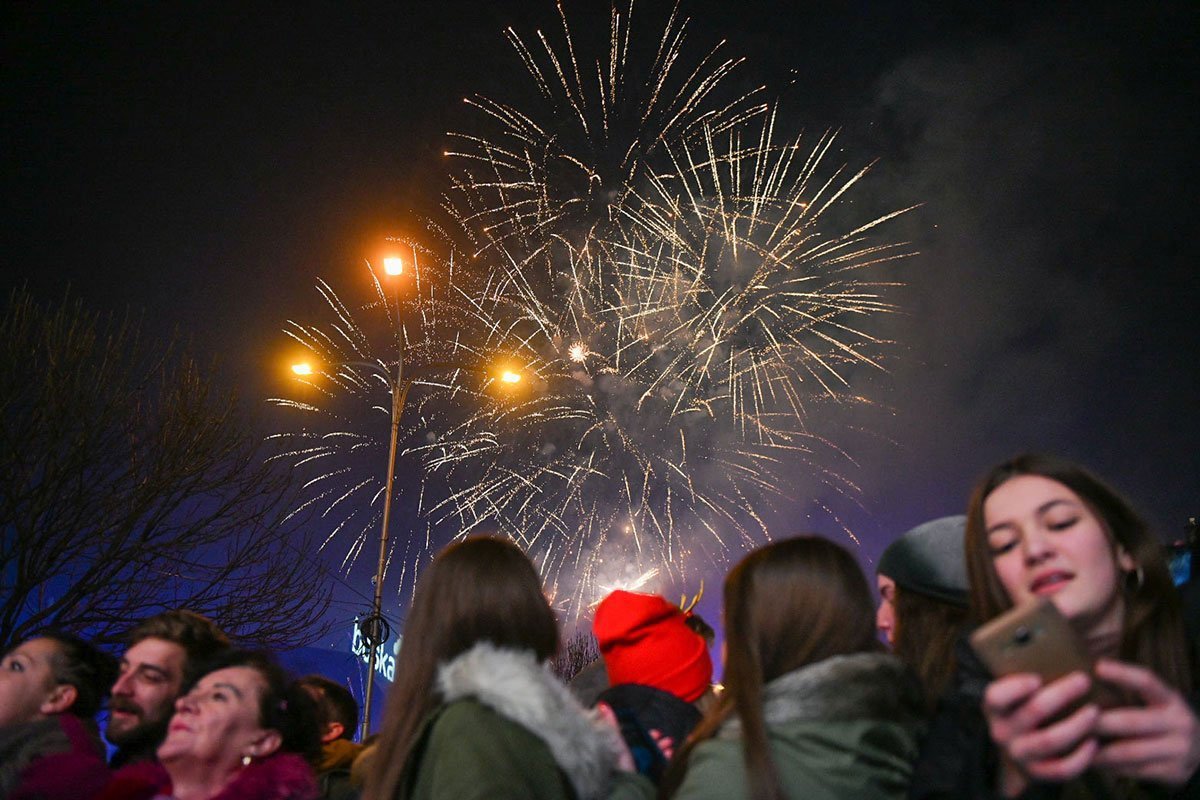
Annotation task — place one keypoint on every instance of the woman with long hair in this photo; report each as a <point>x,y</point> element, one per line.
<point>1042,527</point>
<point>811,707</point>
<point>474,712</point>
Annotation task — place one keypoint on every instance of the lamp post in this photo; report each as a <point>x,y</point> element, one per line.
<point>375,636</point>
<point>374,628</point>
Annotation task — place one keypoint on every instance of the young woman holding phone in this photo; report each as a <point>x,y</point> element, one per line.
<point>1042,527</point>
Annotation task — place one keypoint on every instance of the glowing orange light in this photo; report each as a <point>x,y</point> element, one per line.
<point>303,368</point>
<point>508,376</point>
<point>393,265</point>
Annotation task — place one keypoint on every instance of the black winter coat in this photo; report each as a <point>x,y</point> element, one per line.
<point>958,760</point>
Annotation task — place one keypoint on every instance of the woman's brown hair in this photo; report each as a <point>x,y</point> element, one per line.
<point>1153,634</point>
<point>478,590</point>
<point>927,630</point>
<point>787,604</point>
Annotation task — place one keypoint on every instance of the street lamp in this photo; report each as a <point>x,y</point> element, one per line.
<point>374,627</point>
<point>393,266</point>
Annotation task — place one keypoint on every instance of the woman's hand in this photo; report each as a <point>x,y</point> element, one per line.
<point>664,743</point>
<point>625,759</point>
<point>608,717</point>
<point>1018,709</point>
<point>1159,741</point>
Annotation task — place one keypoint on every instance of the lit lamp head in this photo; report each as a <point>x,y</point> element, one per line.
<point>393,265</point>
<point>303,368</point>
<point>510,376</point>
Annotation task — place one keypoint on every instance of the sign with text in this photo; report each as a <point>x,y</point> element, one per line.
<point>385,657</point>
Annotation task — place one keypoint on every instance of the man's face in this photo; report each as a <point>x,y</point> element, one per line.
<point>143,698</point>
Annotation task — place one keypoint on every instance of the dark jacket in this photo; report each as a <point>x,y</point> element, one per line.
<point>508,729</point>
<point>641,709</point>
<point>845,727</point>
<point>959,760</point>
<point>333,771</point>
<point>56,758</point>
<point>283,776</point>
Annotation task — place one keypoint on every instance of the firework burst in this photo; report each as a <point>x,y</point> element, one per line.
<point>349,378</point>
<point>683,288</point>
<point>564,167</point>
<point>681,349</point>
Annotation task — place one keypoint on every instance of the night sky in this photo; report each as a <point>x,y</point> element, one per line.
<point>205,162</point>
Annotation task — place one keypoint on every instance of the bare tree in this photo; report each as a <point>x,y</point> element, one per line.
<point>580,651</point>
<point>129,484</point>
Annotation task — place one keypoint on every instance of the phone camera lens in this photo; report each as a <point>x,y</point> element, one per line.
<point>1022,635</point>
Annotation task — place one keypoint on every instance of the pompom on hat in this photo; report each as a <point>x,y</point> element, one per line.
<point>644,639</point>
<point>929,560</point>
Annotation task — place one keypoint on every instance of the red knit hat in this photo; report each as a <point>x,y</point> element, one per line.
<point>645,640</point>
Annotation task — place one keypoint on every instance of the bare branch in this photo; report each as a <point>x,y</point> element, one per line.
<point>128,484</point>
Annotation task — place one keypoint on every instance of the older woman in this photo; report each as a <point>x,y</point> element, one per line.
<point>243,732</point>
<point>51,687</point>
<point>1040,527</point>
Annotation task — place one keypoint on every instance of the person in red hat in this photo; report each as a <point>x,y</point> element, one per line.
<point>659,669</point>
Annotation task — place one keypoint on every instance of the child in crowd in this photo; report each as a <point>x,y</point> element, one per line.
<point>659,670</point>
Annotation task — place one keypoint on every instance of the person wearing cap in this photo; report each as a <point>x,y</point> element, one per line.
<point>658,668</point>
<point>922,579</point>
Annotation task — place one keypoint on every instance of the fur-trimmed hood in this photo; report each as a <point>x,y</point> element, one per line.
<point>515,686</point>
<point>840,689</point>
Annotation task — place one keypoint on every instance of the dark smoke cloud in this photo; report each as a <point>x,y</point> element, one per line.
<point>1052,307</point>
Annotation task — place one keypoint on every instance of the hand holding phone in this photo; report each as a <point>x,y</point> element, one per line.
<point>1043,707</point>
<point>1037,638</point>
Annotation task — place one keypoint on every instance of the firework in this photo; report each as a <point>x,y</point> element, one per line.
<point>339,424</point>
<point>682,349</point>
<point>683,289</point>
<point>564,168</point>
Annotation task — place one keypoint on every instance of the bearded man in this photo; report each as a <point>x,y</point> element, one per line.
<point>162,659</point>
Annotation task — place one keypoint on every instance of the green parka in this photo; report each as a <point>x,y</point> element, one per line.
<point>845,727</point>
<point>508,729</point>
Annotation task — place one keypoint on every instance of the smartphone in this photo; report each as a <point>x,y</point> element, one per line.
<point>1036,637</point>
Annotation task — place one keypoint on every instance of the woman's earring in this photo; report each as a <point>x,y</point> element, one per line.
<point>246,761</point>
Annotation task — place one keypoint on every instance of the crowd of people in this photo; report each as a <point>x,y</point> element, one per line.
<point>813,704</point>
